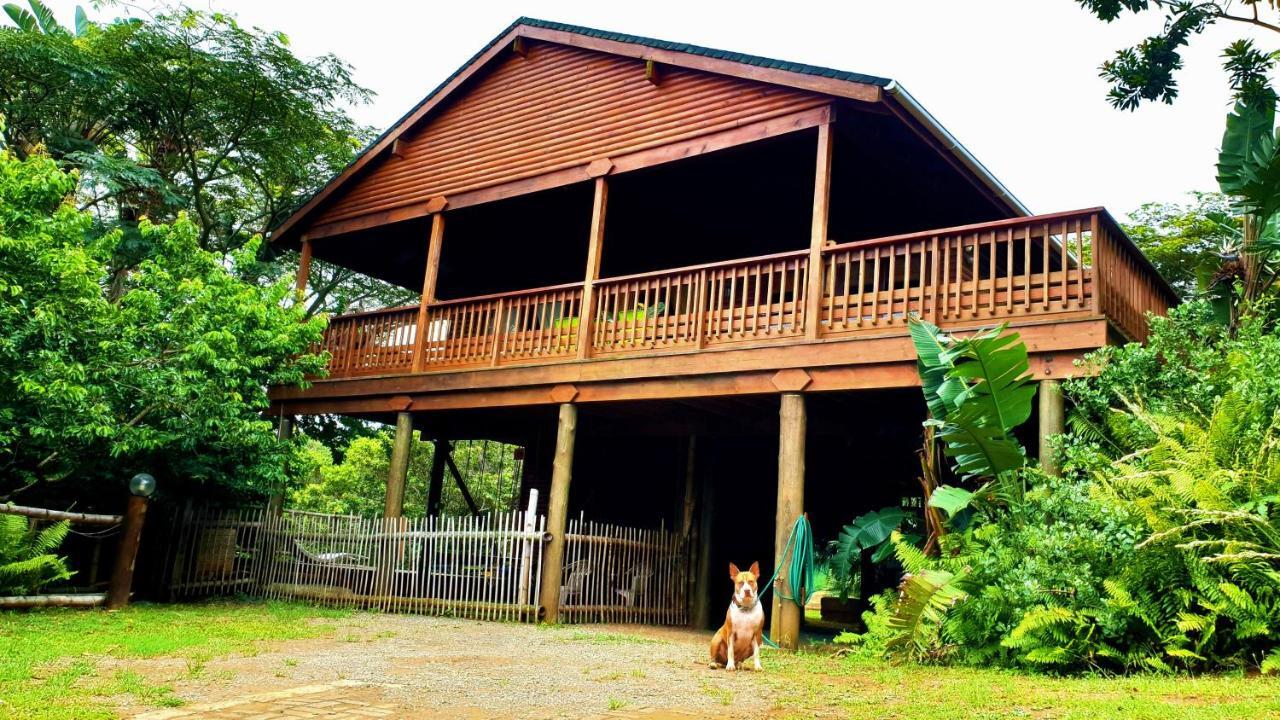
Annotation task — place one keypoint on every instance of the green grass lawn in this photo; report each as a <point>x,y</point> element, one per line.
<point>49,659</point>
<point>57,665</point>
<point>815,683</point>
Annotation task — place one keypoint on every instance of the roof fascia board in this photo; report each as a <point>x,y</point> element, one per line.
<point>498,46</point>
<point>849,89</point>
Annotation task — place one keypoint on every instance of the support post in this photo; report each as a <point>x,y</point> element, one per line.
<point>435,488</point>
<point>429,275</point>
<point>818,231</point>
<point>702,561</point>
<point>1052,423</point>
<point>558,512</point>
<point>284,431</point>
<point>688,531</point>
<point>122,576</point>
<point>399,466</point>
<point>586,309</point>
<point>785,623</point>
<point>304,269</point>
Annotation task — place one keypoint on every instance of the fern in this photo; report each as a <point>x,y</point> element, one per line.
<point>27,562</point>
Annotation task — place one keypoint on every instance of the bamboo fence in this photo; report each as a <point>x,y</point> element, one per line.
<point>621,574</point>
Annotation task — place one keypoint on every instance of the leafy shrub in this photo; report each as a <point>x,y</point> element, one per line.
<point>1159,549</point>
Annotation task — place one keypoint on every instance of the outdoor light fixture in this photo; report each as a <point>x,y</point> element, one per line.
<point>142,485</point>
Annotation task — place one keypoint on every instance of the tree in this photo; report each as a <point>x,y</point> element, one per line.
<point>356,485</point>
<point>1146,71</point>
<point>186,111</point>
<point>167,371</point>
<point>1186,241</point>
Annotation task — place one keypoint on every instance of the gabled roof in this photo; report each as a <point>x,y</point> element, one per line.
<point>838,83</point>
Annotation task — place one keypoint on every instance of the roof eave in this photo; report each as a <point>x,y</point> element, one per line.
<point>953,146</point>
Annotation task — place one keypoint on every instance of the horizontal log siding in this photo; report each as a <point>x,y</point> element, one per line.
<point>558,108</point>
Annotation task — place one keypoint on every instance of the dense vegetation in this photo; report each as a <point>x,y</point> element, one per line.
<point>141,315</point>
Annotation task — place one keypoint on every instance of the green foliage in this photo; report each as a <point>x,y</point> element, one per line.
<point>1187,242</point>
<point>27,557</point>
<point>978,390</point>
<point>869,532</point>
<point>356,485</point>
<point>1146,71</point>
<point>188,112</point>
<point>165,369</point>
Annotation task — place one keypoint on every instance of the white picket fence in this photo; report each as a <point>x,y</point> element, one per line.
<point>624,575</point>
<point>485,567</point>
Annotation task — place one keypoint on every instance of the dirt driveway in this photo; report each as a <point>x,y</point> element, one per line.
<point>400,666</point>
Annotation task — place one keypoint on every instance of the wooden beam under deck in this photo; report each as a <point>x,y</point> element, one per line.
<point>832,365</point>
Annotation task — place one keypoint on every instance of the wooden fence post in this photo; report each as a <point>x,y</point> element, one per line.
<point>526,550</point>
<point>127,554</point>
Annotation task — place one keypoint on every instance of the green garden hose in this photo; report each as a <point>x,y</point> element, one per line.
<point>797,557</point>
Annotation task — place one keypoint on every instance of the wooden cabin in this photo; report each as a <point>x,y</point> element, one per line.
<point>665,270</point>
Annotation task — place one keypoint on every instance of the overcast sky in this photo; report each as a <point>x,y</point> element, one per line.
<point>1016,81</point>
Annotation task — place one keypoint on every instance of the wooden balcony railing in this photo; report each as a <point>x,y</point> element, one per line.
<point>1078,262</point>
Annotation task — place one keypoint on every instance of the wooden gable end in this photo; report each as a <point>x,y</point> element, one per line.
<point>554,109</point>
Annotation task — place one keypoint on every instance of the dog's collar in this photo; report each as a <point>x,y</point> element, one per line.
<point>754,601</point>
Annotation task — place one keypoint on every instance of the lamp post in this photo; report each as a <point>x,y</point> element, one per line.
<point>141,487</point>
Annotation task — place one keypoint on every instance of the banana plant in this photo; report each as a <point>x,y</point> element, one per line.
<point>40,19</point>
<point>1249,171</point>
<point>978,390</point>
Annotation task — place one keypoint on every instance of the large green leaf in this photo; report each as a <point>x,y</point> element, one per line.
<point>25,21</point>
<point>997,376</point>
<point>868,531</point>
<point>933,365</point>
<point>83,23</point>
<point>1248,163</point>
<point>978,450</point>
<point>949,499</point>
<point>48,23</point>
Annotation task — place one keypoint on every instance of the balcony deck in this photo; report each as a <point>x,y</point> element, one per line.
<point>1073,267</point>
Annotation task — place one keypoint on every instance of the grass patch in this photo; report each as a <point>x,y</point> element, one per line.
<point>617,704</point>
<point>49,658</point>
<point>814,684</point>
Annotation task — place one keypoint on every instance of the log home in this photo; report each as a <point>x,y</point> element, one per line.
<point>666,270</point>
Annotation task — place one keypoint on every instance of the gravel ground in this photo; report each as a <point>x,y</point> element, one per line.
<point>466,669</point>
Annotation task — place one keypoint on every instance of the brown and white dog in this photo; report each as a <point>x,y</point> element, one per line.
<point>743,629</point>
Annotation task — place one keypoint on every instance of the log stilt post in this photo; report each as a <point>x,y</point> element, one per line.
<point>558,512</point>
<point>1052,414</point>
<point>435,486</point>
<point>701,614</point>
<point>284,431</point>
<point>689,523</point>
<point>127,555</point>
<point>399,466</point>
<point>785,623</point>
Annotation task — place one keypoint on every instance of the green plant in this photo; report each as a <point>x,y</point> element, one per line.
<point>27,556</point>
